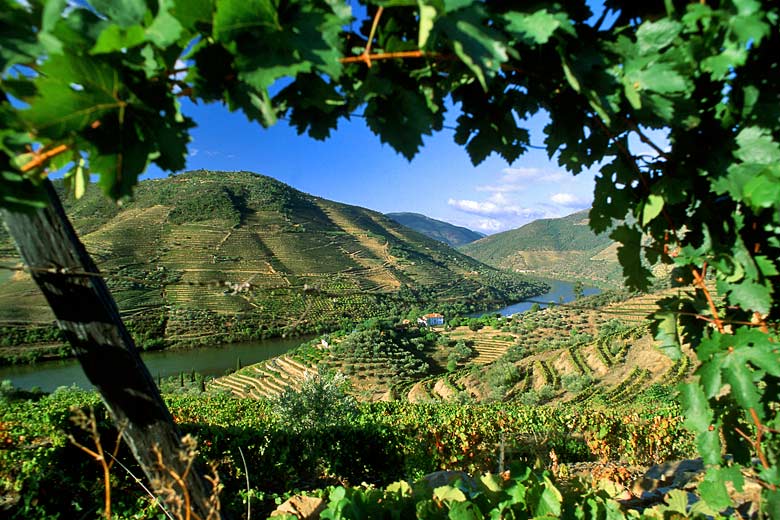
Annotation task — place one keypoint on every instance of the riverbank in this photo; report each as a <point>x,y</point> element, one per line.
<point>560,292</point>
<point>213,360</point>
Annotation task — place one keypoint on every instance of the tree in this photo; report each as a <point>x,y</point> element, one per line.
<point>578,289</point>
<point>96,90</point>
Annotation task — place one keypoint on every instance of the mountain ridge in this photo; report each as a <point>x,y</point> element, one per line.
<point>450,234</point>
<point>564,248</point>
<point>225,256</point>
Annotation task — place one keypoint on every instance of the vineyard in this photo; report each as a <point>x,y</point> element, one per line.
<point>220,257</point>
<point>527,358</point>
<point>375,443</point>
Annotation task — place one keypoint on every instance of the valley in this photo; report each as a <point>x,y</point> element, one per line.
<point>217,257</point>
<point>337,381</point>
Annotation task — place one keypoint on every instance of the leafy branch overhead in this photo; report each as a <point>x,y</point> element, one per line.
<point>96,90</point>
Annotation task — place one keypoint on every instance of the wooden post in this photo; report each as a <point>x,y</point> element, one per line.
<point>89,317</point>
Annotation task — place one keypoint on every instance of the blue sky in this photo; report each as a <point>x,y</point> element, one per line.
<point>355,168</point>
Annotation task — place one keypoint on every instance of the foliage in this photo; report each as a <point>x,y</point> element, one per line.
<point>378,443</point>
<point>170,274</point>
<point>99,83</point>
<point>322,401</point>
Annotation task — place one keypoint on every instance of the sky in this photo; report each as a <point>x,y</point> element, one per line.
<point>354,167</point>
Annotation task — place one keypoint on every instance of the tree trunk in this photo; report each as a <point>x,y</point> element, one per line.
<point>89,317</point>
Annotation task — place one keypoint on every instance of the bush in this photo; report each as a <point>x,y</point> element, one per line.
<point>322,402</point>
<point>576,383</point>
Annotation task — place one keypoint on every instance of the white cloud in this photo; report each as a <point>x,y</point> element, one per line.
<point>518,179</point>
<point>193,152</point>
<point>570,200</point>
<point>489,225</point>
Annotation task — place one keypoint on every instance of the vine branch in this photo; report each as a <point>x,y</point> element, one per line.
<point>698,278</point>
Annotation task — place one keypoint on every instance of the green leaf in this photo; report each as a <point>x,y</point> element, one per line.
<point>549,501</point>
<point>763,191</point>
<point>721,64</point>
<point>479,47</point>
<point>236,17</point>
<point>116,38</point>
<point>677,499</point>
<point>660,77</point>
<point>192,13</point>
<point>757,146</point>
<point>125,13</point>
<point>698,414</point>
<point>536,28</point>
<point>665,331</point>
<point>428,15</point>
<point>570,77</point>
<point>653,37</point>
<point>165,29</point>
<point>464,511</point>
<point>652,208</point>
<point>81,179</point>
<point>751,296</point>
<point>491,482</point>
<point>58,108</point>
<point>713,488</point>
<point>708,444</point>
<point>629,255</point>
<point>18,41</point>
<point>449,494</point>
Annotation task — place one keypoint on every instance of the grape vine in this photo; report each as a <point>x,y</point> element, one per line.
<point>95,88</point>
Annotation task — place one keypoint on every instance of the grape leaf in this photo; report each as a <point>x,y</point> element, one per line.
<point>652,37</point>
<point>59,108</point>
<point>125,13</point>
<point>116,38</point>
<point>536,28</point>
<point>751,296</point>
<point>479,47</point>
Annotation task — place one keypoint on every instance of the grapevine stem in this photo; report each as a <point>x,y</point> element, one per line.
<point>44,156</point>
<point>368,58</point>
<point>698,278</point>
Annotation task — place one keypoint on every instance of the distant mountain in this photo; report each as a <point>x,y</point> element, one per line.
<point>209,256</point>
<point>453,236</point>
<point>564,248</point>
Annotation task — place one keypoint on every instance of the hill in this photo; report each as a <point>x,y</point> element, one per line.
<point>563,248</point>
<point>206,257</point>
<point>453,236</point>
<point>562,354</point>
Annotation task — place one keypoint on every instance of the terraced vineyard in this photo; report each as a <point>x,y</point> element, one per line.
<point>525,358</point>
<point>232,256</point>
<point>268,379</point>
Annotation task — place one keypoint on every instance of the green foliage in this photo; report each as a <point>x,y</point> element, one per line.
<point>321,402</point>
<point>99,80</point>
<point>500,376</point>
<point>374,443</point>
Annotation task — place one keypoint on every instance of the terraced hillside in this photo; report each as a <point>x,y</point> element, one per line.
<point>558,354</point>
<point>563,248</point>
<point>213,256</point>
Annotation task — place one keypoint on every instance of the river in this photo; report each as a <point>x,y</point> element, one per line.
<point>211,361</point>
<point>215,360</point>
<point>560,291</point>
